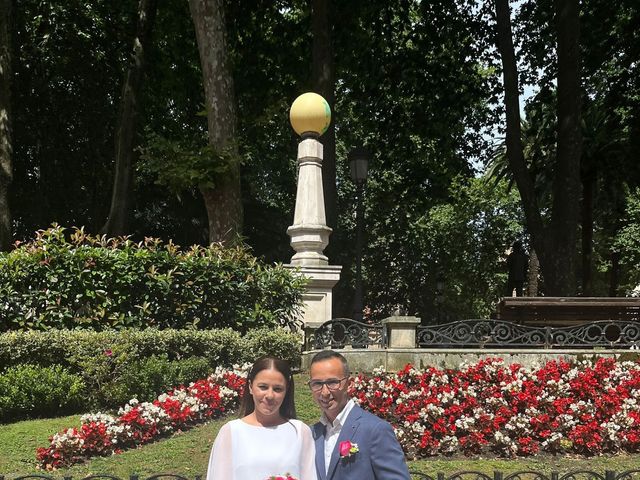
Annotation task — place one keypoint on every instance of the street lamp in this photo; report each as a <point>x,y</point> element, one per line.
<point>439,294</point>
<point>310,117</point>
<point>359,164</point>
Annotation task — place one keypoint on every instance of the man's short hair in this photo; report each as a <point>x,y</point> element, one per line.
<point>328,355</point>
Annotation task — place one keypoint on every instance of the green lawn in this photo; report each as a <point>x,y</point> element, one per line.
<point>187,453</point>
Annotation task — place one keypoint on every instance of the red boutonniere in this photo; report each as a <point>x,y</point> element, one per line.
<point>347,449</point>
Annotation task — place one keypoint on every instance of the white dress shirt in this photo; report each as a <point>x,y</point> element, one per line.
<point>332,431</point>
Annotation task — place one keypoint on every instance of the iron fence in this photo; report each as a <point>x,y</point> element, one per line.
<point>464,475</point>
<point>342,332</point>
<point>102,476</point>
<point>499,333</point>
<point>532,475</point>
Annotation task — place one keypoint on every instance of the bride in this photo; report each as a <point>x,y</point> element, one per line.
<point>267,440</point>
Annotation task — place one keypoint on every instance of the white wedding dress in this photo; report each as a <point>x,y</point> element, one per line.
<point>247,452</point>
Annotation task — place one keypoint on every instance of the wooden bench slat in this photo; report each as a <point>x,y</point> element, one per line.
<point>566,311</point>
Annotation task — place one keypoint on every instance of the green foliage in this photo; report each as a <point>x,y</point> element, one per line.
<point>273,342</point>
<point>426,103</point>
<point>69,61</point>
<point>99,283</point>
<point>421,105</point>
<point>627,243</point>
<point>145,379</point>
<point>181,166</point>
<point>76,348</point>
<point>115,365</point>
<point>36,391</point>
<point>463,241</point>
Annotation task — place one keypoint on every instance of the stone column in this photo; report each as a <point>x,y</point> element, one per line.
<point>309,232</point>
<point>401,330</point>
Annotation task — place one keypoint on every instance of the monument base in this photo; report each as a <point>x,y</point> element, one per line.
<point>317,297</point>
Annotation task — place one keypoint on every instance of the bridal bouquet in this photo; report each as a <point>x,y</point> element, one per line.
<point>286,476</point>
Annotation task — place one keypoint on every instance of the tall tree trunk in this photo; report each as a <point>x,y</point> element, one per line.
<point>515,153</point>
<point>121,199</point>
<point>566,181</point>
<point>588,187</point>
<point>532,274</point>
<point>322,72</point>
<point>223,201</point>
<point>614,279</point>
<point>555,245</point>
<point>6,147</point>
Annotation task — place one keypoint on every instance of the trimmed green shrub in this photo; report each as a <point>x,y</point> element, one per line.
<point>35,391</point>
<point>106,359</point>
<point>273,342</point>
<point>71,348</point>
<point>99,283</point>
<point>146,379</point>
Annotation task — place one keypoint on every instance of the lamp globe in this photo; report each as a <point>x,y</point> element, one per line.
<point>310,114</point>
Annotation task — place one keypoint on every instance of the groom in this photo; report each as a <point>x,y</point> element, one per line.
<point>350,443</point>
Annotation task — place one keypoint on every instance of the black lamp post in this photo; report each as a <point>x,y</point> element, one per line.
<point>439,294</point>
<point>359,163</point>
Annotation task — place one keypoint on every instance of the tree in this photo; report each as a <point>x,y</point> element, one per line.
<point>561,277</point>
<point>418,103</point>
<point>222,199</point>
<point>627,243</point>
<point>555,243</point>
<point>322,79</point>
<point>463,241</point>
<point>609,79</point>
<point>118,219</point>
<point>6,148</point>
<point>69,59</point>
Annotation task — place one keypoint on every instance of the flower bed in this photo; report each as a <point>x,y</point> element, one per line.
<point>139,423</point>
<point>587,408</point>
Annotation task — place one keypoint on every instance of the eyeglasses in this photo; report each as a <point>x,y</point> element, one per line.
<point>332,384</point>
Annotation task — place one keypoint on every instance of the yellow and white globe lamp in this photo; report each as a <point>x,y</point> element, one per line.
<point>310,115</point>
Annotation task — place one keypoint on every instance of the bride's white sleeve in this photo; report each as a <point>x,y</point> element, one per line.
<point>220,461</point>
<point>307,455</point>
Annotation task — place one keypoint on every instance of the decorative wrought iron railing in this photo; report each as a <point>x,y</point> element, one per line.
<point>498,333</point>
<point>342,332</point>
<point>103,476</point>
<point>466,475</point>
<point>533,475</point>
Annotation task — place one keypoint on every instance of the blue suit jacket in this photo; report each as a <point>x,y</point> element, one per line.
<point>379,457</point>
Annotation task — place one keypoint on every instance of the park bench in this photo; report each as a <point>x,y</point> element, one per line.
<point>567,311</point>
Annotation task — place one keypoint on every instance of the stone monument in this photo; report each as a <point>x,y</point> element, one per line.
<point>310,117</point>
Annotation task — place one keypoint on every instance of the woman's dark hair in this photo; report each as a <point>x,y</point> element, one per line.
<point>288,407</point>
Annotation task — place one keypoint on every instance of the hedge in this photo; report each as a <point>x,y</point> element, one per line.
<point>108,361</point>
<point>33,391</point>
<point>223,347</point>
<point>80,281</point>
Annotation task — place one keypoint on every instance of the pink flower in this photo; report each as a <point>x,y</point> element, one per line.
<point>347,448</point>
<point>108,352</point>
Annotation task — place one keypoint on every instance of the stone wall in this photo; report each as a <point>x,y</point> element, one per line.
<point>365,360</point>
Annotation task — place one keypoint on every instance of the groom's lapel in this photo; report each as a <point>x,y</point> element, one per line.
<point>318,434</point>
<point>346,433</point>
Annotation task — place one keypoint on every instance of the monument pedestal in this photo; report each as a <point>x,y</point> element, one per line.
<point>318,296</point>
